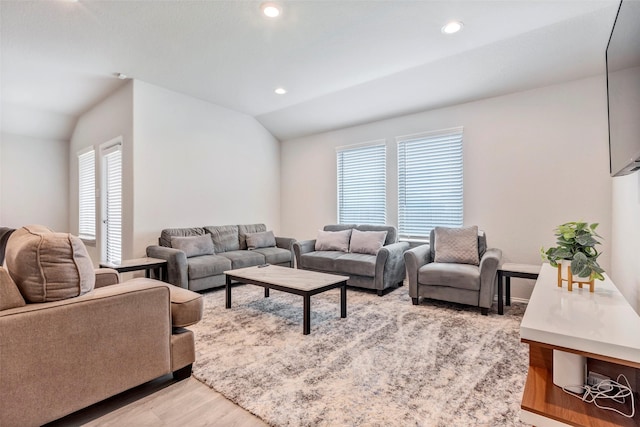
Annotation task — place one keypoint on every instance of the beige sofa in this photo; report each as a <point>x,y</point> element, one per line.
<point>59,356</point>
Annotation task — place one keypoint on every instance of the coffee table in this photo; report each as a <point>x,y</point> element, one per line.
<point>293,281</point>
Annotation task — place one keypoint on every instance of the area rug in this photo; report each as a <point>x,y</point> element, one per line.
<point>389,363</point>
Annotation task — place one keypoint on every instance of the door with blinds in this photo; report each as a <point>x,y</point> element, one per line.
<point>111,193</point>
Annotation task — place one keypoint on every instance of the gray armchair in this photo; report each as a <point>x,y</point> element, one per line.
<point>461,283</point>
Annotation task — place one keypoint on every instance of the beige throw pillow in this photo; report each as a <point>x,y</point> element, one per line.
<point>457,245</point>
<point>9,294</point>
<point>367,242</point>
<point>48,266</point>
<point>333,240</point>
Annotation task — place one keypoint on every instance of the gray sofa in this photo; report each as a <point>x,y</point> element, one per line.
<point>230,251</point>
<point>380,271</point>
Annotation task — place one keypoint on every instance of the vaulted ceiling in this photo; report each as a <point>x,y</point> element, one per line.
<point>341,62</point>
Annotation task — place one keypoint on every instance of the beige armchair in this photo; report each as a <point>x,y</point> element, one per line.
<point>59,356</point>
<point>465,283</point>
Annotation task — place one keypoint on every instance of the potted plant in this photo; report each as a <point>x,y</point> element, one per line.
<point>576,242</point>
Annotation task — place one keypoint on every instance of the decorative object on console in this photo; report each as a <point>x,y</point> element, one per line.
<point>575,254</point>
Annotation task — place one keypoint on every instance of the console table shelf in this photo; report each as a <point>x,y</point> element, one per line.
<point>600,326</point>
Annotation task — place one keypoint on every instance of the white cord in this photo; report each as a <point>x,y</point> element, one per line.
<point>603,390</point>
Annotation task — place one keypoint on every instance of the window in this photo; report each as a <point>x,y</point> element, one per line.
<point>112,202</point>
<point>429,182</point>
<point>87,194</point>
<point>362,186</point>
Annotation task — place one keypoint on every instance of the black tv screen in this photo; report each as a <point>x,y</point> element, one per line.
<point>623,89</point>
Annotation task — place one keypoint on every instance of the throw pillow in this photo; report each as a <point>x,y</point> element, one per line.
<point>9,294</point>
<point>333,240</point>
<point>193,245</point>
<point>48,266</point>
<point>457,245</point>
<point>225,237</point>
<point>367,242</point>
<point>265,239</point>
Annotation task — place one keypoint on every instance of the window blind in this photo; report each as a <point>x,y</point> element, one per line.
<point>113,200</point>
<point>87,195</point>
<point>362,184</point>
<point>429,182</point>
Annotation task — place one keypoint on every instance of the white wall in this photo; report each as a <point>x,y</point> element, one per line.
<point>111,118</point>
<point>532,160</point>
<point>198,164</point>
<point>625,253</point>
<point>34,182</point>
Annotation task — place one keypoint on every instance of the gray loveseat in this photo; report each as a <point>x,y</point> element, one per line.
<point>203,267</point>
<point>380,271</point>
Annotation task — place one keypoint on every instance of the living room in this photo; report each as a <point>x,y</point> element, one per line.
<point>535,151</point>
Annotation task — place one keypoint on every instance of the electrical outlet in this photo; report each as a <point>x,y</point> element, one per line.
<point>594,378</point>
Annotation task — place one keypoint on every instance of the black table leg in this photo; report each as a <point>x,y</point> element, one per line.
<point>266,292</point>
<point>147,273</point>
<point>343,300</point>
<point>508,290</point>
<point>227,292</point>
<point>306,315</point>
<point>500,301</point>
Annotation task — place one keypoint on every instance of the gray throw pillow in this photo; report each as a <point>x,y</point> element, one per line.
<point>333,240</point>
<point>264,239</point>
<point>367,242</point>
<point>457,245</point>
<point>193,245</point>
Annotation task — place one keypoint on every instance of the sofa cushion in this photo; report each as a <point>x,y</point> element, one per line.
<point>244,229</point>
<point>241,259</point>
<point>225,237</point>
<point>264,239</point>
<point>275,255</point>
<point>48,266</point>
<point>207,265</point>
<point>333,240</point>
<point>457,245</point>
<point>167,233</point>
<point>358,264</point>
<point>193,245</point>
<point>320,260</point>
<point>462,276</point>
<point>338,227</point>
<point>366,242</point>
<point>392,233</point>
<point>10,296</point>
<point>186,307</point>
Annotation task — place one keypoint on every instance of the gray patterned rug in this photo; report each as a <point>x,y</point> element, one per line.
<point>389,363</point>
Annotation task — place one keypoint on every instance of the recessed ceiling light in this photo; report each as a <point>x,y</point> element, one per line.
<point>271,10</point>
<point>452,27</point>
<point>122,76</point>
<point>280,91</point>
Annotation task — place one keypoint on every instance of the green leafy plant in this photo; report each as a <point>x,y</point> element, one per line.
<point>576,241</point>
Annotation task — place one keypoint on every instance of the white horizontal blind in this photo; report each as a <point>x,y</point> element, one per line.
<point>87,195</point>
<point>113,170</point>
<point>429,182</point>
<point>362,195</point>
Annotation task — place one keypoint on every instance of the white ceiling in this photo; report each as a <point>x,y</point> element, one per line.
<point>342,62</point>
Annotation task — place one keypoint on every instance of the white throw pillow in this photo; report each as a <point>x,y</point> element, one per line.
<point>457,245</point>
<point>333,240</point>
<point>367,242</point>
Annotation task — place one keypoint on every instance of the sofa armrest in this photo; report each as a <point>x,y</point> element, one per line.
<point>390,265</point>
<point>124,330</point>
<point>176,264</point>
<point>414,259</point>
<point>106,277</point>
<point>301,247</point>
<point>285,243</point>
<point>488,273</point>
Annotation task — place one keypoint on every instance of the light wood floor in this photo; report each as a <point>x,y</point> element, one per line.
<point>164,402</point>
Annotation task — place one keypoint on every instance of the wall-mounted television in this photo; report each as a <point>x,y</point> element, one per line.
<point>623,89</point>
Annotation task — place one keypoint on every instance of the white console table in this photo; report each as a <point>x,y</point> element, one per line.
<point>601,326</point>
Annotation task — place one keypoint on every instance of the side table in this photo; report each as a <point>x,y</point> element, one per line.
<point>147,264</point>
<point>509,270</point>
